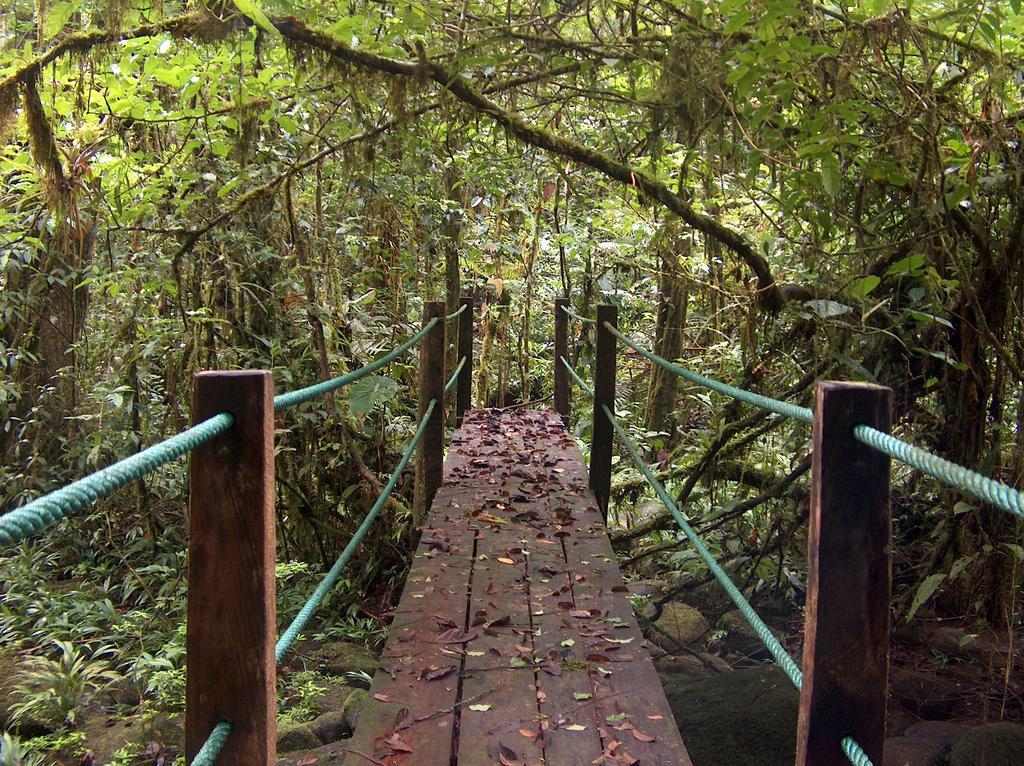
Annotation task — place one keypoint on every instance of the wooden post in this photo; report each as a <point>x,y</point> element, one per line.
<point>231,630</point>
<point>846,639</point>
<point>430,454</point>
<point>604,393</point>
<point>562,405</point>
<point>464,386</point>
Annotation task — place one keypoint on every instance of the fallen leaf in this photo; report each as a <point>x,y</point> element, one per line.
<point>639,736</point>
<point>307,760</point>
<point>480,708</point>
<point>382,697</point>
<point>504,560</point>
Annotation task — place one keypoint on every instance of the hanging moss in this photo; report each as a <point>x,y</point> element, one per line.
<point>44,148</point>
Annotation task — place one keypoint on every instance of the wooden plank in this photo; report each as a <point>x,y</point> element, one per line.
<point>231,605</point>
<point>565,690</point>
<point>562,398</point>
<point>848,579</point>
<point>499,671</point>
<point>604,394</point>
<point>430,453</point>
<point>410,716</point>
<point>561,686</point>
<point>464,386</point>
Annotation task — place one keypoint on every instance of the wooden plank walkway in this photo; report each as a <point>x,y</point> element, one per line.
<point>513,642</point>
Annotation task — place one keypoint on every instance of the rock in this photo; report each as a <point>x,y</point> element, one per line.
<point>679,624</point>
<point>911,751</point>
<point>716,662</point>
<point>646,587</point>
<point>953,641</point>
<point>298,736</point>
<point>334,697</point>
<point>740,637</point>
<point>340,657</point>
<point>353,706</point>
<point>994,744</point>
<point>327,755</point>
<point>745,716</point>
<point>925,694</point>
<point>945,734</point>
<point>332,726</point>
<point>685,665</point>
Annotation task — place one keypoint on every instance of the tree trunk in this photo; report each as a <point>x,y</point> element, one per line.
<point>673,299</point>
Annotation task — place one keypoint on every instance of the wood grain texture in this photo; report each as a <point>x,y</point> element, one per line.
<point>848,579</point>
<point>430,452</point>
<point>604,394</point>
<point>464,386</point>
<point>231,613</point>
<point>550,657</point>
<point>562,398</point>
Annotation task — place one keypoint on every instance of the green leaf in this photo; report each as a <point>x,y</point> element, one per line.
<point>256,14</point>
<point>863,286</point>
<point>736,21</point>
<point>909,266</point>
<point>830,174</point>
<point>372,390</point>
<point>924,592</point>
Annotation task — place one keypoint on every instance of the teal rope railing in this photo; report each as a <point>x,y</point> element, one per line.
<point>457,311</point>
<point>973,483</point>
<point>208,753</point>
<point>576,376</point>
<point>292,398</point>
<point>302,618</point>
<point>20,523</point>
<point>990,490</point>
<point>779,407</point>
<point>763,632</point>
<point>574,315</point>
<point>455,375</point>
<point>851,748</point>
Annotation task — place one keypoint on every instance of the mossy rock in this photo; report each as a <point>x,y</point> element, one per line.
<point>740,637</point>
<point>994,744</point>
<point>325,755</point>
<point>679,624</point>
<point>340,657</point>
<point>353,707</point>
<point>331,726</point>
<point>911,751</point>
<point>298,736</point>
<point>745,716</point>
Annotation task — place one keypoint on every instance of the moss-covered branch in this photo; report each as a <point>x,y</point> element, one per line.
<point>296,32</point>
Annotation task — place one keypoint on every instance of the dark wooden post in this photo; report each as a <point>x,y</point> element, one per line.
<point>430,454</point>
<point>464,386</point>
<point>231,615</point>
<point>604,393</point>
<point>846,643</point>
<point>562,350</point>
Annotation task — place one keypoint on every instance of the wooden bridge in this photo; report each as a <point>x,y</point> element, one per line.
<point>514,642</point>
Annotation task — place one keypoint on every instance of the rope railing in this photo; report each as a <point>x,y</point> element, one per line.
<point>302,618</point>
<point>208,753</point>
<point>292,398</point>
<point>574,315</point>
<point>851,748</point>
<point>952,474</point>
<point>455,375</point>
<point>457,311</point>
<point>23,522</point>
<point>576,376</point>
<point>997,493</point>
<point>779,407</point>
